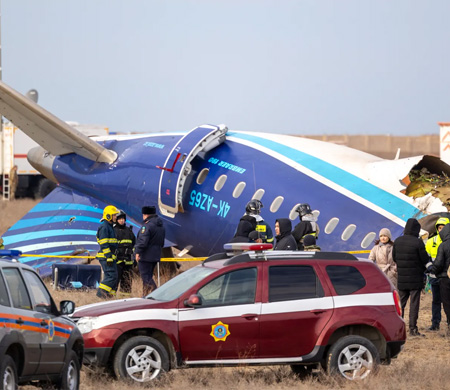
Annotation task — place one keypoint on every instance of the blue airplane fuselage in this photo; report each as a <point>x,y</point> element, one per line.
<point>210,217</point>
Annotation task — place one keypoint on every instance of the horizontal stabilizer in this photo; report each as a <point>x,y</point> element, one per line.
<point>53,134</point>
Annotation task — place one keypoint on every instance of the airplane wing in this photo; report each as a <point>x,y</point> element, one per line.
<point>54,135</point>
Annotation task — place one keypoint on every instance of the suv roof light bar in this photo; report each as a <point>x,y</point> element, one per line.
<point>247,246</point>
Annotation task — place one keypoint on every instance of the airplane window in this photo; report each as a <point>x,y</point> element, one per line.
<point>368,239</point>
<point>276,204</point>
<point>258,194</point>
<point>293,214</point>
<point>238,189</point>
<point>348,232</point>
<point>202,175</point>
<point>220,182</point>
<point>331,225</point>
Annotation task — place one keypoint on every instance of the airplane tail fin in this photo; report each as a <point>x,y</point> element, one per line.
<point>53,134</point>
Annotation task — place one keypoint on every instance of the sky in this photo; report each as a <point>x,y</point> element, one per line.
<point>307,67</point>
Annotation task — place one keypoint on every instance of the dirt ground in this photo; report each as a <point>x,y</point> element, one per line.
<point>424,362</point>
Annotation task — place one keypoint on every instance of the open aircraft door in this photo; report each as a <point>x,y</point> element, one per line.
<point>177,166</point>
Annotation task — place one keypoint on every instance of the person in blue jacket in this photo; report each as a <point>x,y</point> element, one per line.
<point>149,243</point>
<point>106,238</point>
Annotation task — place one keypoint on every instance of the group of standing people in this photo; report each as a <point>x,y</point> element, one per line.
<point>408,262</point>
<point>120,249</point>
<point>253,228</point>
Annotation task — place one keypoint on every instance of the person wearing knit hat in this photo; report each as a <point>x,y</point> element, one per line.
<point>381,254</point>
<point>309,244</point>
<point>149,243</point>
<point>385,232</point>
<point>125,245</point>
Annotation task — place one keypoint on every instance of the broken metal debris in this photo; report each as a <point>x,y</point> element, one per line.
<point>423,182</point>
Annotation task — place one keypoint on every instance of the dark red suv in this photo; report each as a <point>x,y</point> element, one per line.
<point>304,309</point>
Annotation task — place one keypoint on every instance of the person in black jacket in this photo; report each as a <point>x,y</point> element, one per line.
<point>285,240</point>
<point>149,243</point>
<point>411,257</point>
<point>263,229</point>
<point>307,226</point>
<point>440,269</point>
<point>125,244</point>
<point>246,225</point>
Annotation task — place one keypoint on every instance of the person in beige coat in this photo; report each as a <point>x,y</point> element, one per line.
<point>381,254</point>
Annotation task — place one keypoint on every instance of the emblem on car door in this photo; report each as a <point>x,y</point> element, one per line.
<point>220,331</point>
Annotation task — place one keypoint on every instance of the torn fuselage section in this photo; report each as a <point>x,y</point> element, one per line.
<point>428,183</point>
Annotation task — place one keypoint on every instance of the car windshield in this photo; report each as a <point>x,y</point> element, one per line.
<point>180,283</point>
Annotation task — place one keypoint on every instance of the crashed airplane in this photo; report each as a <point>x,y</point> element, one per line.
<point>201,181</point>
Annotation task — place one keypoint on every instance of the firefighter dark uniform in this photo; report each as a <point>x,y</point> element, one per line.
<point>307,226</point>
<point>149,243</point>
<point>125,244</point>
<point>264,231</point>
<point>106,238</point>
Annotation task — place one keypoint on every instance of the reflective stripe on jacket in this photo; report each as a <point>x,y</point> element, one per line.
<point>106,238</point>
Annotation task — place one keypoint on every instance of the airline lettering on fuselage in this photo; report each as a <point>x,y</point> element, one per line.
<point>153,145</point>
<point>206,203</point>
<point>226,165</point>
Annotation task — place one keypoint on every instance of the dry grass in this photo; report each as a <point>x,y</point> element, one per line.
<point>424,363</point>
<point>12,211</point>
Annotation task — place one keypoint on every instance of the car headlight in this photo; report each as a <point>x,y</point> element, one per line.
<point>86,324</point>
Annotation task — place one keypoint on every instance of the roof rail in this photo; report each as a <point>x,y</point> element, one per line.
<point>216,256</point>
<point>310,255</point>
<point>243,258</point>
<point>288,255</point>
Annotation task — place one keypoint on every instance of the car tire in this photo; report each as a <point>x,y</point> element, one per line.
<point>141,359</point>
<point>302,370</point>
<point>8,374</point>
<point>70,376</point>
<point>353,357</point>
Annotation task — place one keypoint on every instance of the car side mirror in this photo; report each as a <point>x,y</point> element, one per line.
<point>67,307</point>
<point>193,301</point>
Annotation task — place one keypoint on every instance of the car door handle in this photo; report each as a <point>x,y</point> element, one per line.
<point>20,321</point>
<point>44,323</point>
<point>250,316</point>
<point>317,311</point>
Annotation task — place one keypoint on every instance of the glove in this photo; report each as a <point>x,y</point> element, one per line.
<point>428,267</point>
